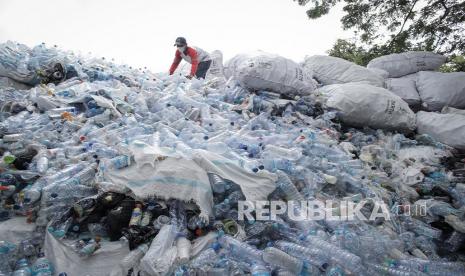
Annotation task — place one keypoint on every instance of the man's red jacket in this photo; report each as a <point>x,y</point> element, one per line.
<point>190,55</point>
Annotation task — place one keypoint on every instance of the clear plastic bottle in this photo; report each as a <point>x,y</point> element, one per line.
<point>160,221</point>
<point>22,268</point>
<point>147,216</point>
<point>241,250</point>
<point>27,249</point>
<point>136,215</point>
<point>42,162</point>
<point>279,258</point>
<point>134,257</point>
<point>183,246</point>
<point>118,162</point>
<point>349,261</point>
<point>42,266</point>
<point>222,208</point>
<point>61,229</point>
<point>205,259</point>
<point>311,255</point>
<point>195,222</point>
<point>33,192</point>
<point>289,189</point>
<point>455,241</point>
<point>217,183</point>
<point>6,252</point>
<point>289,154</point>
<point>97,229</point>
<point>89,249</point>
<point>258,269</point>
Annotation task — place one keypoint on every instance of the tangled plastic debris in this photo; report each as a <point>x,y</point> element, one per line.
<point>121,171</point>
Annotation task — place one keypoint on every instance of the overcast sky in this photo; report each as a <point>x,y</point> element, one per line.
<point>142,32</point>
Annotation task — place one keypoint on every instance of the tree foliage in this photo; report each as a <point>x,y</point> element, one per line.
<point>393,26</point>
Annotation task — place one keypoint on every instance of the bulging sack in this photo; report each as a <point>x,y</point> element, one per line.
<point>399,65</point>
<point>405,88</point>
<point>447,128</point>
<point>440,89</point>
<point>380,72</point>
<point>333,70</point>
<point>366,105</point>
<point>263,71</point>
<point>216,67</point>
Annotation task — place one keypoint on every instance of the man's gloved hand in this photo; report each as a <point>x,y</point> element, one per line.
<point>189,77</point>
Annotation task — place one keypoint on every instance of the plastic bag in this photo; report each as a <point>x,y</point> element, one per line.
<point>366,105</point>
<point>440,89</point>
<point>399,65</point>
<point>333,70</point>
<point>263,71</point>
<point>446,128</point>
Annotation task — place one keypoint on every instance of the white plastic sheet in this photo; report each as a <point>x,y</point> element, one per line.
<point>104,262</point>
<point>16,229</point>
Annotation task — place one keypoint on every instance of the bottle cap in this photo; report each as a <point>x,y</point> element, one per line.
<point>216,246</point>
<point>9,159</point>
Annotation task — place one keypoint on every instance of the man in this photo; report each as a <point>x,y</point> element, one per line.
<point>199,59</point>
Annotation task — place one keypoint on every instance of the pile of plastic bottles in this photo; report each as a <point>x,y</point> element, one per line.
<point>58,137</point>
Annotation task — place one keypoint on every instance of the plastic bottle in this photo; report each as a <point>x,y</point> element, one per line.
<point>134,257</point>
<point>42,162</point>
<point>286,185</point>
<point>455,241</point>
<point>147,215</point>
<point>42,266</point>
<point>273,164</point>
<point>177,214</point>
<point>90,248</point>
<point>386,270</point>
<point>258,269</point>
<point>222,208</point>
<point>217,183</point>
<point>81,177</point>
<point>118,162</point>
<point>27,249</point>
<point>289,154</point>
<point>205,259</point>
<point>160,221</point>
<point>6,252</point>
<point>22,268</point>
<point>349,261</point>
<point>97,229</point>
<point>195,222</point>
<point>136,215</point>
<point>241,250</point>
<point>61,229</point>
<point>183,246</point>
<point>311,255</point>
<point>456,223</point>
<point>32,193</point>
<point>416,265</point>
<point>422,228</point>
<point>279,258</point>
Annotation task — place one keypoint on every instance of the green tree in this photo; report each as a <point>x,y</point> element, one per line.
<point>393,26</point>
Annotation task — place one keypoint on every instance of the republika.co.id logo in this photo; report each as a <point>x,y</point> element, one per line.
<point>343,210</point>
